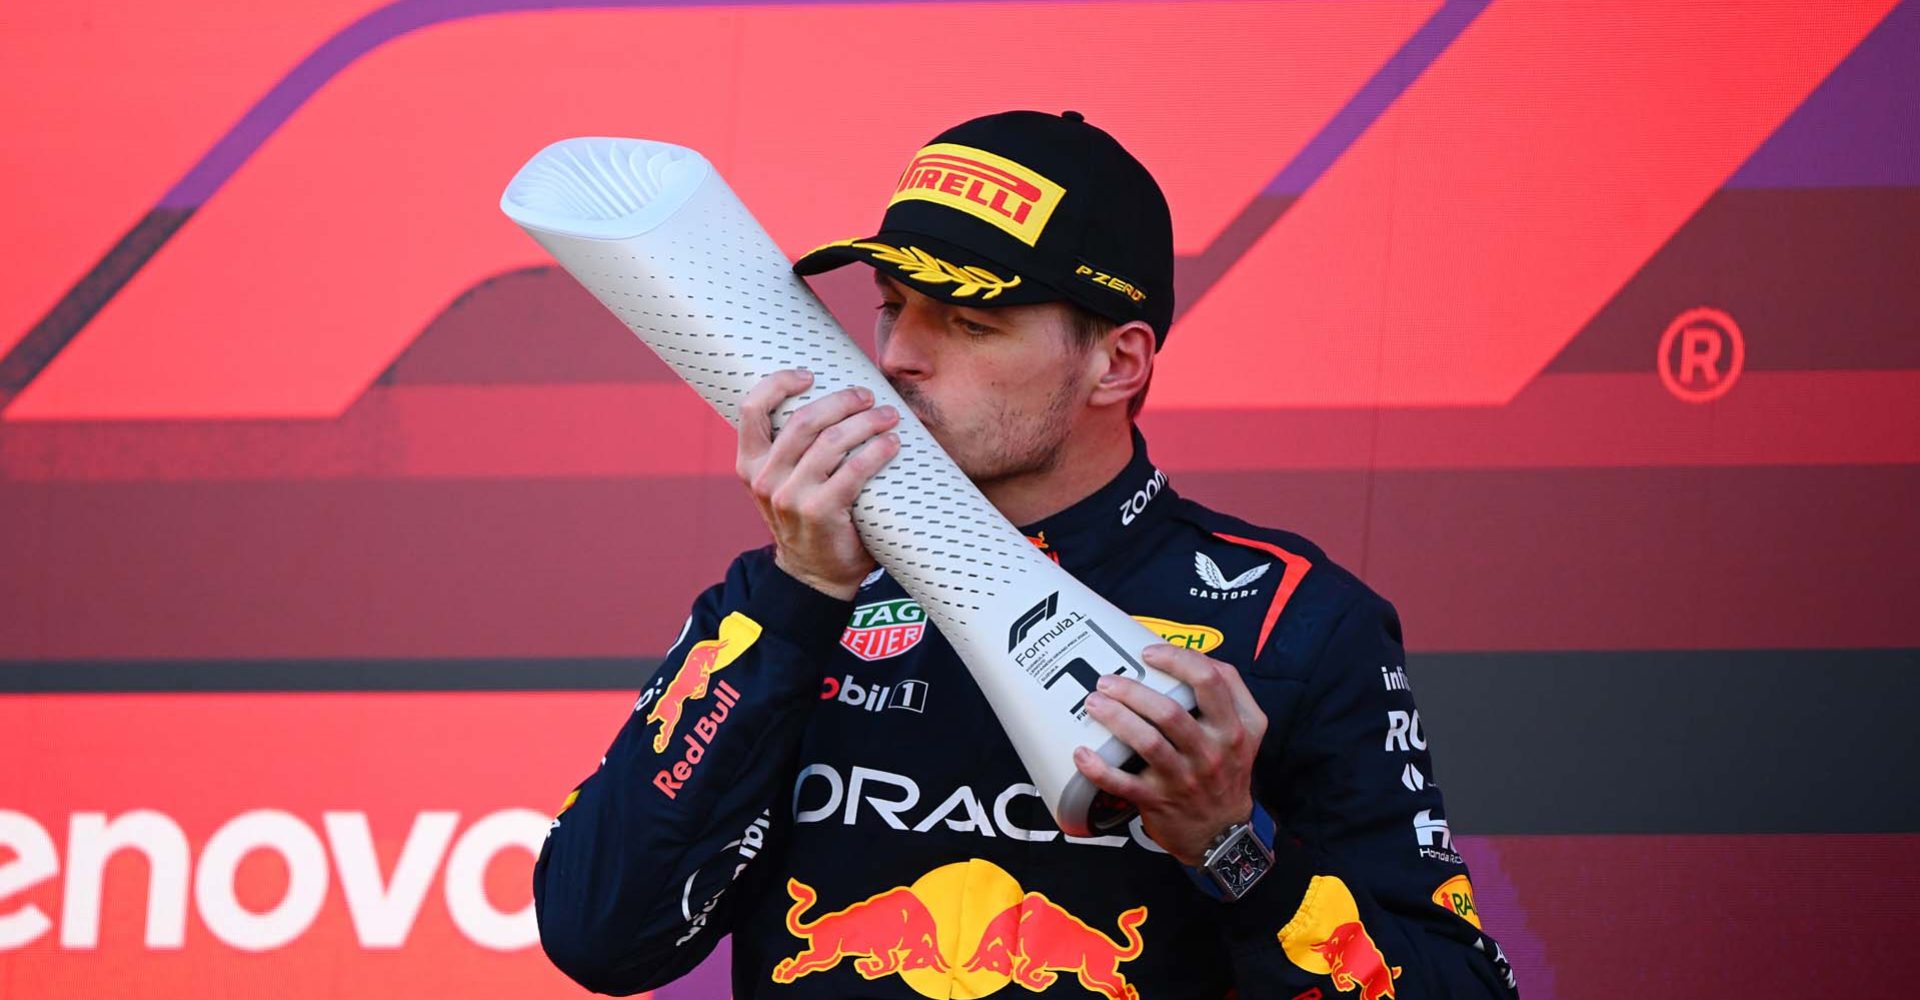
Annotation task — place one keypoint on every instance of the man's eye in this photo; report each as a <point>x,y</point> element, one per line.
<point>975,329</point>
<point>887,308</point>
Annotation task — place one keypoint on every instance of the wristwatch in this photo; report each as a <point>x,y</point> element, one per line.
<point>1238,858</point>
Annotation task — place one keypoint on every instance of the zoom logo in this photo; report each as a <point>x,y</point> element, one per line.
<point>1143,496</point>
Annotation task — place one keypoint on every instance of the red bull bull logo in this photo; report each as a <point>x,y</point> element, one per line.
<point>1326,937</point>
<point>670,779</point>
<point>738,633</point>
<point>1040,542</point>
<point>1355,962</point>
<point>963,930</point>
<point>890,932</point>
<point>1034,940</point>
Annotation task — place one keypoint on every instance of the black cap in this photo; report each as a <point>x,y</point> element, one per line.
<point>1024,207</point>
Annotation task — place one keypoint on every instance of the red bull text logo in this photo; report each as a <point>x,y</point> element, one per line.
<point>964,929</point>
<point>738,633</point>
<point>669,779</point>
<point>1326,937</point>
<point>990,188</point>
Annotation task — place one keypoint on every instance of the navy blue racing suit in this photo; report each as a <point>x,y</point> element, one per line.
<point>823,780</point>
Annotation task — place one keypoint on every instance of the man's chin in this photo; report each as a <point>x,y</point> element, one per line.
<point>959,457</point>
<point>930,420</point>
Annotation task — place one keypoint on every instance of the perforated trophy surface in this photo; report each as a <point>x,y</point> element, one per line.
<point>654,233</point>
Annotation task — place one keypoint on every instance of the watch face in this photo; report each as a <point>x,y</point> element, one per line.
<point>1240,863</point>
<point>1244,866</point>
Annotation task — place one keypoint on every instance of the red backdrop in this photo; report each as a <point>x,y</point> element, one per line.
<point>337,526</point>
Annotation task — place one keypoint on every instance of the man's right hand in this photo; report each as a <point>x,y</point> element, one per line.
<point>805,479</point>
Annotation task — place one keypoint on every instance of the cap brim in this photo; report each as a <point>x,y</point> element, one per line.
<point>932,267</point>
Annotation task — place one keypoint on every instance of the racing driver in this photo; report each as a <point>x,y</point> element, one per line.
<point>814,771</point>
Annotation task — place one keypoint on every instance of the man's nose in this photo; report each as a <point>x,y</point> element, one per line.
<point>906,347</point>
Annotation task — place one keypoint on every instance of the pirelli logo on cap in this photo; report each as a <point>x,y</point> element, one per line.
<point>990,188</point>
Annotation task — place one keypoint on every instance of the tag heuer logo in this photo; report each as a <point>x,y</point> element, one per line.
<point>884,629</point>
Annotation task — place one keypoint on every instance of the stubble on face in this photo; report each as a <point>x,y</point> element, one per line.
<point>1004,442</point>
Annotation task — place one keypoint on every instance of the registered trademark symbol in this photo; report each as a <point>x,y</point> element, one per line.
<point>1701,355</point>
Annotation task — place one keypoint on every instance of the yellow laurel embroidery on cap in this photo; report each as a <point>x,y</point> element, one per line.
<point>924,267</point>
<point>827,246</point>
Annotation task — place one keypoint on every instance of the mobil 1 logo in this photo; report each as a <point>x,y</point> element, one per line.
<point>1067,650</point>
<point>874,696</point>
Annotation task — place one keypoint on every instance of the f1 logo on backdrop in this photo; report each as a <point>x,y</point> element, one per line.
<point>258,304</point>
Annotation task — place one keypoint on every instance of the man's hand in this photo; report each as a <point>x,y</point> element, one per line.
<point>805,479</point>
<point>1199,775</point>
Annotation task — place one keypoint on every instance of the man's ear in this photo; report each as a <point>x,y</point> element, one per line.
<point>1128,352</point>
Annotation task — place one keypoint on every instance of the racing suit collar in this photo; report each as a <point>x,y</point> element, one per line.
<point>1102,523</point>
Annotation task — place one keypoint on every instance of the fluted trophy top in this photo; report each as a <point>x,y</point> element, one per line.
<point>602,188</point>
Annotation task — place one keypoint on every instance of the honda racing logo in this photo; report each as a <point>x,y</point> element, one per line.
<point>1436,840</point>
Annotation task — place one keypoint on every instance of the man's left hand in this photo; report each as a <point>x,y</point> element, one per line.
<point>1199,775</point>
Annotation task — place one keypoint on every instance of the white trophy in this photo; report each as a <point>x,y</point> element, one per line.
<point>659,238</point>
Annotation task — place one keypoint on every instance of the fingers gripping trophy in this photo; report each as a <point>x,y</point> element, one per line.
<point>654,233</point>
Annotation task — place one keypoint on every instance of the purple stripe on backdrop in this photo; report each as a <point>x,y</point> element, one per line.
<point>1374,97</point>
<point>1857,128</point>
<point>1848,132</point>
<point>710,980</point>
<point>397,19</point>
<point>369,33</point>
<point>1506,917</point>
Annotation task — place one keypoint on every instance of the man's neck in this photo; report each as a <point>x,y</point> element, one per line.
<point>1088,461</point>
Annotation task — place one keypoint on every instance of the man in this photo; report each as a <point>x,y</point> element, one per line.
<point>814,771</point>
